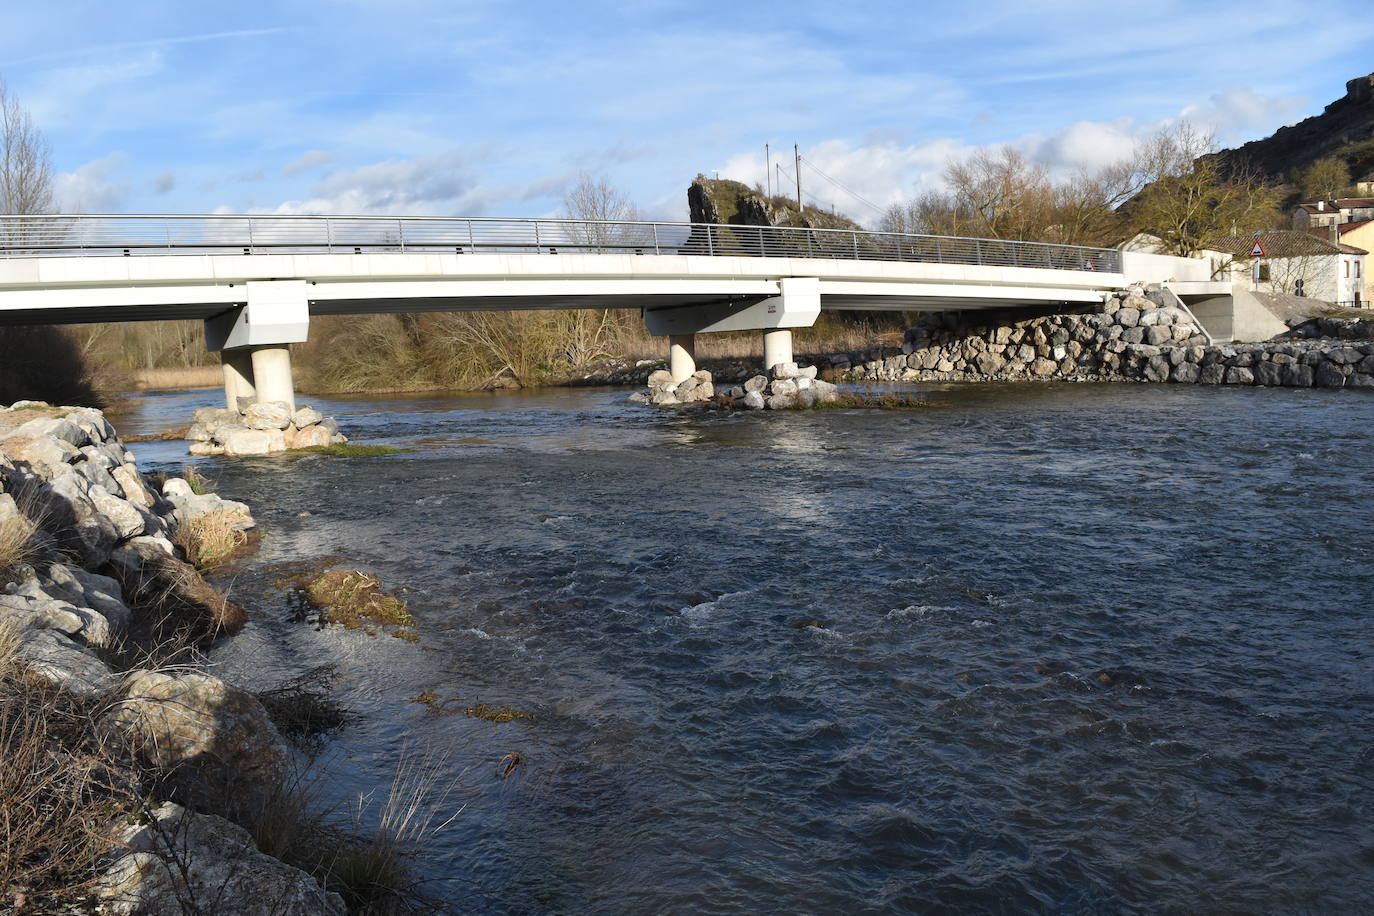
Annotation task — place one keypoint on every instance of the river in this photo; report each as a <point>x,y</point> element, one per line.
<point>1036,648</point>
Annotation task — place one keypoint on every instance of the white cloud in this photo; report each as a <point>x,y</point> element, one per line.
<point>163,182</point>
<point>90,188</point>
<point>307,161</point>
<point>422,185</point>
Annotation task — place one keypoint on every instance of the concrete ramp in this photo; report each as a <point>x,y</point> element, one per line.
<point>1247,316</point>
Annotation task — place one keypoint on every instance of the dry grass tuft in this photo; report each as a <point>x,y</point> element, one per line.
<point>353,598</point>
<point>17,546</point>
<point>211,540</point>
<point>59,789</point>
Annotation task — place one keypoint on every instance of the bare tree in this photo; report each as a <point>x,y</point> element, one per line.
<point>25,162</point>
<point>593,198</point>
<point>1191,198</point>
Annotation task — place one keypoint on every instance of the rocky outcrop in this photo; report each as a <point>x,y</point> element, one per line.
<point>264,428</point>
<point>1345,128</point>
<point>722,201</point>
<point>178,861</point>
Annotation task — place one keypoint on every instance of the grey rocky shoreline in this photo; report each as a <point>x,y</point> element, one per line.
<point>93,572</point>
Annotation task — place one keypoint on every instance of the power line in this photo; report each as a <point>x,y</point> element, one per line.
<point>854,194</point>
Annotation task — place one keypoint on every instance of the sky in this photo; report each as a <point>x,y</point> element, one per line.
<point>484,108</point>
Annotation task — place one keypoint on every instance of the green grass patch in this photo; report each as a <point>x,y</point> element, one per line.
<point>349,450</point>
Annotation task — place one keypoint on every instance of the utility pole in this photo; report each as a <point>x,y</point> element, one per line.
<point>796,155</point>
<point>768,169</point>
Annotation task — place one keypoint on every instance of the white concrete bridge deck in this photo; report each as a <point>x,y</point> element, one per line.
<point>256,280</point>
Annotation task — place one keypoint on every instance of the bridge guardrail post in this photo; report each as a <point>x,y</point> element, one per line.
<point>655,227</point>
<point>250,235</point>
<point>401,233</point>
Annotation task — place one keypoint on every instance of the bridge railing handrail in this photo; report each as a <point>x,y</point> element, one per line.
<point>56,235</point>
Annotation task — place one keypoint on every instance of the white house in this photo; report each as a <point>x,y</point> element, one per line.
<point>1297,263</point>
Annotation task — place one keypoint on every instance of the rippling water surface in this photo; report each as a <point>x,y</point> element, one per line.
<point>1054,648</point>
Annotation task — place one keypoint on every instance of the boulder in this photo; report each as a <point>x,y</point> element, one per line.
<point>757,383</point>
<point>785,387</point>
<point>663,397</point>
<point>988,363</point>
<point>215,743</point>
<point>783,371</point>
<point>222,434</point>
<point>1185,373</point>
<point>56,660</point>
<point>1239,375</point>
<point>1267,373</point>
<point>91,590</point>
<point>753,400</point>
<point>659,378</point>
<point>1127,317</point>
<point>132,487</point>
<point>306,416</point>
<point>1328,375</point>
<point>265,415</point>
<point>180,861</point>
<point>247,442</point>
<point>781,401</point>
<point>73,516</point>
<point>318,436</point>
<point>1158,334</point>
<point>1212,374</point>
<point>1043,368</point>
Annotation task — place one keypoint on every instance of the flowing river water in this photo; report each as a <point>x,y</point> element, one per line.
<point>1037,648</point>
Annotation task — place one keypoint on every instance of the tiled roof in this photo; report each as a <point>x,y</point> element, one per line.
<point>1281,244</point>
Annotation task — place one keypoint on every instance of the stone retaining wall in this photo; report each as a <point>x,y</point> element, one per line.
<point>1137,335</point>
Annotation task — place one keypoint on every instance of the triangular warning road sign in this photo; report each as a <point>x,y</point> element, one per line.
<point>1258,250</point>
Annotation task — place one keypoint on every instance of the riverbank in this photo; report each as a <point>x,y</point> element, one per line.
<point>134,779</point>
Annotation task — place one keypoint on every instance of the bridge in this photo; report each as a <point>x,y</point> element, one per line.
<point>256,280</point>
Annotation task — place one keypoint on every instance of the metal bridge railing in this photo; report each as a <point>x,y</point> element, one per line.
<point>115,235</point>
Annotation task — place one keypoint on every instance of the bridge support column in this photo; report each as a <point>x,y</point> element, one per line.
<point>272,375</point>
<point>681,356</point>
<point>777,347</point>
<point>238,377</point>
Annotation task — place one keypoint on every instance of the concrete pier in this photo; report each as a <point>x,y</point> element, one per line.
<point>238,377</point>
<point>777,347</point>
<point>272,375</point>
<point>682,361</point>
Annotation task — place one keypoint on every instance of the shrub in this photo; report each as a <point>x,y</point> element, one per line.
<point>212,539</point>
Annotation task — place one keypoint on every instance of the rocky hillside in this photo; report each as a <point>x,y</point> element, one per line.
<point>1345,129</point>
<point>719,200</point>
